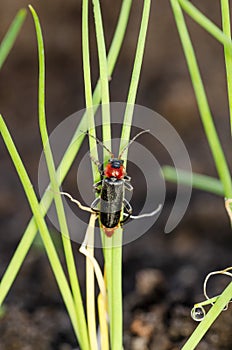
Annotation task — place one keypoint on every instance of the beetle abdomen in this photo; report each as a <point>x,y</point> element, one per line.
<point>110,220</point>
<point>112,194</point>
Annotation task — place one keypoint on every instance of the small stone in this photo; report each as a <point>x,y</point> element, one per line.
<point>149,282</point>
<point>142,329</point>
<point>139,344</point>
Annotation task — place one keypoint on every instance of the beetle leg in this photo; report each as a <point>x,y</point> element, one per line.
<point>145,215</point>
<point>127,178</point>
<point>77,202</point>
<point>94,205</point>
<point>96,186</point>
<point>128,186</point>
<point>98,164</point>
<point>128,209</point>
<point>127,206</point>
<point>141,216</point>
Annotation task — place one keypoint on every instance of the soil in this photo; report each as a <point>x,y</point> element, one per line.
<point>162,274</point>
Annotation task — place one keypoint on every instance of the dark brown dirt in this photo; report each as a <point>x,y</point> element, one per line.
<point>163,274</point>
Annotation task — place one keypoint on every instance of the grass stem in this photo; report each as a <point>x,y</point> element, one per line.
<point>80,315</point>
<point>66,162</point>
<point>225,11</point>
<point>41,226</point>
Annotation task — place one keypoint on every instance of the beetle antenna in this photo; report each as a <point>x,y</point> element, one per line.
<point>131,141</point>
<point>99,142</point>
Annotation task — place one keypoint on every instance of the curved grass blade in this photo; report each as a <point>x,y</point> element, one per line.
<point>205,112</point>
<point>66,162</point>
<point>41,226</point>
<point>80,315</point>
<point>205,23</point>
<point>218,156</point>
<point>224,37</point>
<point>209,319</point>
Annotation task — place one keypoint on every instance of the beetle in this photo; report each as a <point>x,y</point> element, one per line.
<point>111,187</point>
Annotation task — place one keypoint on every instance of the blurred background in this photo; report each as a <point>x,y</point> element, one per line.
<point>173,265</point>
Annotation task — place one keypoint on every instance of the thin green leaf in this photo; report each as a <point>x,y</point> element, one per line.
<point>224,37</point>
<point>106,135</point>
<point>205,23</point>
<point>116,262</point>
<point>41,226</point>
<point>90,278</point>
<point>11,35</point>
<point>104,77</point>
<point>135,75</point>
<point>205,113</point>
<point>218,156</point>
<point>80,315</point>
<point>88,88</point>
<point>66,162</point>
<point>209,319</point>
<point>198,181</point>
<point>225,10</point>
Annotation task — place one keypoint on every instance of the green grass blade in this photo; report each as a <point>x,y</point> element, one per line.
<point>225,10</point>
<point>88,88</point>
<point>205,23</point>
<point>106,136</point>
<point>223,37</point>
<point>90,278</point>
<point>112,56</point>
<point>210,317</point>
<point>114,286</point>
<point>80,315</point>
<point>218,156</point>
<point>41,226</point>
<point>86,57</point>
<point>116,259</point>
<point>104,77</point>
<point>116,292</point>
<point>17,260</point>
<point>65,164</point>
<point>119,34</point>
<point>11,35</point>
<point>135,75</point>
<point>198,181</point>
<point>205,113</point>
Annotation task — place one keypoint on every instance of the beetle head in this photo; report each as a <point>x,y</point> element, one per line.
<point>116,163</point>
